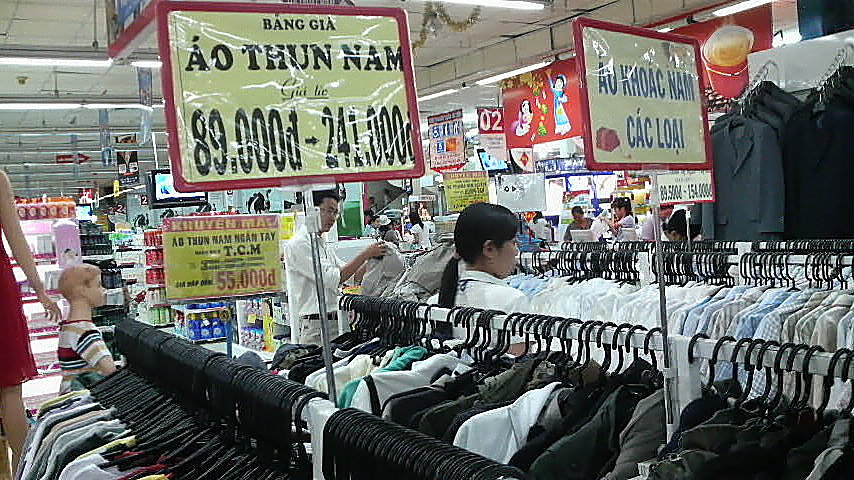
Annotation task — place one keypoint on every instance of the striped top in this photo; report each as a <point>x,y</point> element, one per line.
<point>81,347</point>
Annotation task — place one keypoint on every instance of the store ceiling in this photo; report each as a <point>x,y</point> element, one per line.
<point>80,24</point>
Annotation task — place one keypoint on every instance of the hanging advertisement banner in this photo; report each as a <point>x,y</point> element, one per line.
<point>686,187</point>
<point>105,136</point>
<point>221,256</point>
<point>725,43</point>
<point>641,97</point>
<point>127,162</point>
<point>521,193</point>
<point>465,188</point>
<point>524,158</point>
<point>447,141</point>
<point>542,106</point>
<point>143,78</point>
<point>493,141</point>
<point>332,95</point>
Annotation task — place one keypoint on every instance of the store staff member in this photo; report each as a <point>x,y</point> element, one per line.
<point>300,271</point>
<point>485,239</point>
<point>648,228</point>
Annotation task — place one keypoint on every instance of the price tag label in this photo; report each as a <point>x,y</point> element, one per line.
<point>222,256</point>
<point>686,187</point>
<point>270,95</point>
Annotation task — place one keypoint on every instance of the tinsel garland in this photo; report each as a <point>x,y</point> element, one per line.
<point>441,13</point>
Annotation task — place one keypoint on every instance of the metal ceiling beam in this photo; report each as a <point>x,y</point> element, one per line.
<point>157,102</point>
<point>47,51</point>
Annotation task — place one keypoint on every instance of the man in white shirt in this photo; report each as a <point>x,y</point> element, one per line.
<point>648,228</point>
<point>300,270</point>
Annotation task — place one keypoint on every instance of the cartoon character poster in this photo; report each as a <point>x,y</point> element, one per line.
<point>542,106</point>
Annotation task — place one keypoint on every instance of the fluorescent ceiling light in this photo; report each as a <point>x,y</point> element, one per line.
<point>665,29</point>
<point>71,106</point>
<point>56,62</point>
<point>437,94</point>
<point>512,73</point>
<point>514,4</point>
<point>469,117</point>
<point>40,106</point>
<point>111,106</point>
<point>740,7</point>
<point>147,63</point>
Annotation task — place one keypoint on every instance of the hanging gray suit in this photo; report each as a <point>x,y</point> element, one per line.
<point>748,182</point>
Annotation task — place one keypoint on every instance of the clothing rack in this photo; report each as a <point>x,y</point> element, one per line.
<point>689,381</point>
<point>753,355</point>
<point>383,449</point>
<point>476,326</point>
<point>255,402</point>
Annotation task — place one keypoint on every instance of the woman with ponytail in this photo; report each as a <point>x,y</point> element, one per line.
<point>485,239</point>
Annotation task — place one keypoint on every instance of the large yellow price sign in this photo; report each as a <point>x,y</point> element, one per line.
<point>265,95</point>
<point>221,256</point>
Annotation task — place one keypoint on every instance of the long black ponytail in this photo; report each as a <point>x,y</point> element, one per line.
<point>476,225</point>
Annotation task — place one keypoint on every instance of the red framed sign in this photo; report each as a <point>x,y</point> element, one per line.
<point>266,95</point>
<point>642,98</point>
<point>131,21</point>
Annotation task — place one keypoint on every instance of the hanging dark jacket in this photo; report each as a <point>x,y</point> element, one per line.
<point>818,171</point>
<point>593,447</point>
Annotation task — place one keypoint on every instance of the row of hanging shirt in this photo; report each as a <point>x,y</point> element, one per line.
<point>723,434</point>
<point>553,415</point>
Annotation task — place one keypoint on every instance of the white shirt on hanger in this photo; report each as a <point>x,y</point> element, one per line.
<point>498,434</point>
<point>390,383</point>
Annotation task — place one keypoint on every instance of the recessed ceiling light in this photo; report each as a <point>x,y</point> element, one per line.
<point>437,94</point>
<point>56,62</point>
<point>513,4</point>
<point>740,7</point>
<point>147,63</point>
<point>513,73</point>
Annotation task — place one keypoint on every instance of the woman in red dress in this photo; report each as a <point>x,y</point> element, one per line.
<point>18,365</point>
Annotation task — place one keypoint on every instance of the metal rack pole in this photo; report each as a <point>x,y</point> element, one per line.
<point>312,222</point>
<point>669,372</point>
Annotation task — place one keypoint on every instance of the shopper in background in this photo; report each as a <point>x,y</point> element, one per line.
<point>676,228</point>
<point>387,232</point>
<point>541,227</point>
<point>648,228</point>
<point>623,218</point>
<point>370,228</point>
<point>18,365</point>
<point>579,222</point>
<point>420,234</point>
<point>485,239</point>
<point>300,270</point>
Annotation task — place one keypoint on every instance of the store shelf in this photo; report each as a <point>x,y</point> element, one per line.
<point>184,309</point>
<point>45,334</point>
<point>99,258</point>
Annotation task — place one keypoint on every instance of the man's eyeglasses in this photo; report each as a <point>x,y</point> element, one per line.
<point>329,211</point>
